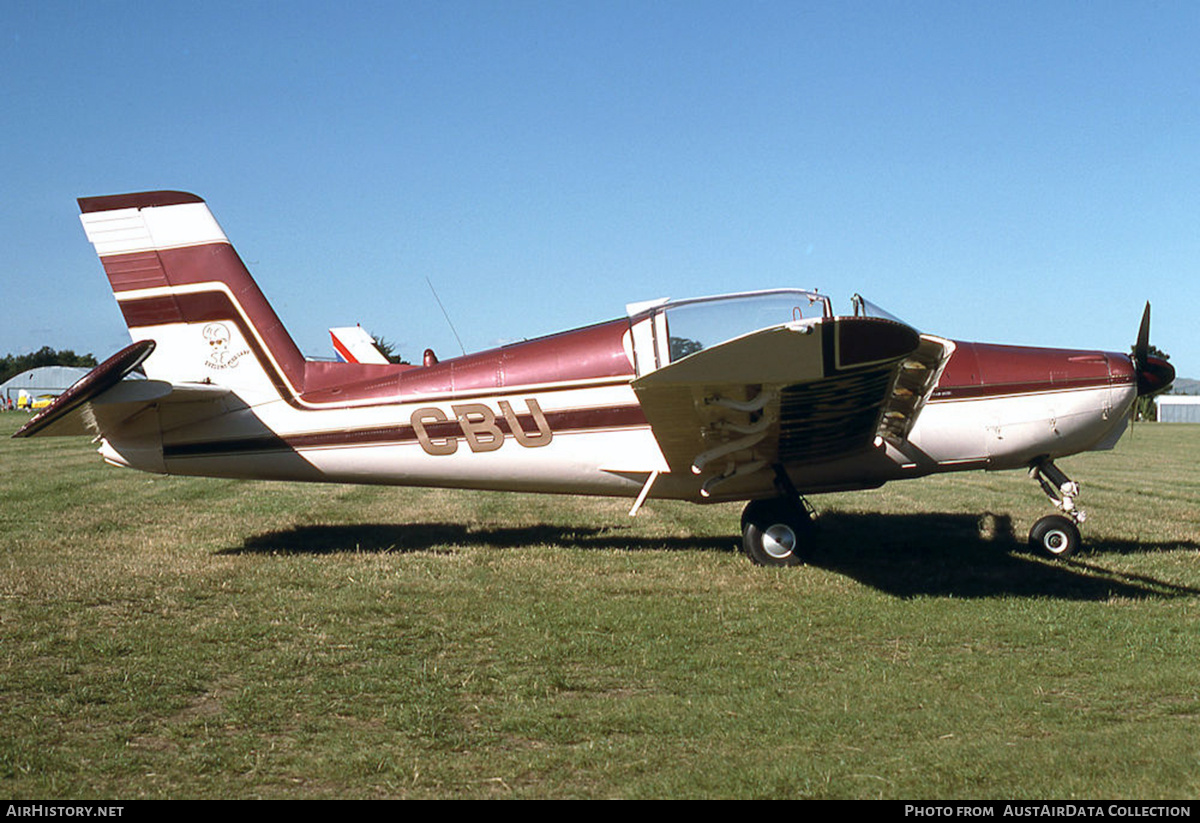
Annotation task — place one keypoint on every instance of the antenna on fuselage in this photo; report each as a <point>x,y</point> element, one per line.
<point>446,315</point>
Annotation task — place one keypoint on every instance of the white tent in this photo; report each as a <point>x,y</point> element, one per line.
<point>34,383</point>
<point>1178,408</point>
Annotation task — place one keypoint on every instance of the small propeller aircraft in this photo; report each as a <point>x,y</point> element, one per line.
<point>762,396</point>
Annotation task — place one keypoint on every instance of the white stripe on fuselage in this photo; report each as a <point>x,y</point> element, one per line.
<point>586,457</point>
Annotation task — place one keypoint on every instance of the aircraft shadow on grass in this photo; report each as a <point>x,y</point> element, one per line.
<point>958,555</point>
<point>385,538</point>
<point>911,555</point>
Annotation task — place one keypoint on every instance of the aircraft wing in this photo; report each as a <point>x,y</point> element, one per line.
<point>103,399</point>
<point>792,395</point>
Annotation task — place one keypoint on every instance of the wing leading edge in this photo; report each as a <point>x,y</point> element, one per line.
<point>793,395</point>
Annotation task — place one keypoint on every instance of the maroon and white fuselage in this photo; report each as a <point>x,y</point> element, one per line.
<point>709,399</point>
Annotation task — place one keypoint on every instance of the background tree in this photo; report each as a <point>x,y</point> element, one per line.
<point>13,364</point>
<point>388,350</point>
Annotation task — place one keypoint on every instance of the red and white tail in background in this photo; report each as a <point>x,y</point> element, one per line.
<point>179,282</point>
<point>354,345</point>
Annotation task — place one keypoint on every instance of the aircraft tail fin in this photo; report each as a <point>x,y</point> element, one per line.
<point>353,344</point>
<point>179,283</point>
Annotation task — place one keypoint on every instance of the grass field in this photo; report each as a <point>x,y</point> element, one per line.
<point>190,638</point>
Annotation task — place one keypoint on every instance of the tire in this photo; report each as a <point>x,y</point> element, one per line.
<point>775,532</point>
<point>1055,536</point>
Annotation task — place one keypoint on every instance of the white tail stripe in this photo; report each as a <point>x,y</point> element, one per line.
<point>128,231</point>
<point>186,288</point>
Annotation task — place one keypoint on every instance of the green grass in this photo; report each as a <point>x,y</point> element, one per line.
<point>172,637</point>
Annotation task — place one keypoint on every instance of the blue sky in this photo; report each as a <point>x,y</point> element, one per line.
<point>1012,172</point>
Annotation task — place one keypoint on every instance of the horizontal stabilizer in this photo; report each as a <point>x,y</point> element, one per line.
<point>60,418</point>
<point>103,399</point>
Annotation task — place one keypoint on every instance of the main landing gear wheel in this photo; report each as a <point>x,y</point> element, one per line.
<point>1055,536</point>
<point>774,531</point>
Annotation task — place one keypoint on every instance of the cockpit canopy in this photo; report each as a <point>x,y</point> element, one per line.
<point>691,325</point>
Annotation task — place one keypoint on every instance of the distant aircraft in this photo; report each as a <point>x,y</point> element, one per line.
<point>352,344</point>
<point>763,396</point>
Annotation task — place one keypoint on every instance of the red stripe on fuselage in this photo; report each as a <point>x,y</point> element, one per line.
<point>984,370</point>
<point>542,361</point>
<point>594,353</point>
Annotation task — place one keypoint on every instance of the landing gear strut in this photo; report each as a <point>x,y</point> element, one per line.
<point>1056,535</point>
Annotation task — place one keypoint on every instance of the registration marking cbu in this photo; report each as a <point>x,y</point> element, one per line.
<point>479,427</point>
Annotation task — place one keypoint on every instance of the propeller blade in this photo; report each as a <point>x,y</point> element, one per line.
<point>1141,350</point>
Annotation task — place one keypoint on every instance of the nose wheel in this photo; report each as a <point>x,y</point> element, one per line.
<point>1057,535</point>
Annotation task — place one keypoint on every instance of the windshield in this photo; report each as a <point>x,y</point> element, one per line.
<point>693,325</point>
<point>865,308</point>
